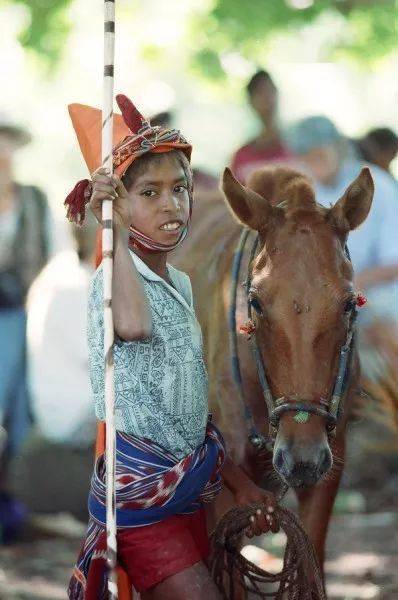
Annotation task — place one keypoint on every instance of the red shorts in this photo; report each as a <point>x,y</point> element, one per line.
<point>152,553</point>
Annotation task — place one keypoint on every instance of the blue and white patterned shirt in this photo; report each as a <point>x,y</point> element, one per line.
<point>161,388</point>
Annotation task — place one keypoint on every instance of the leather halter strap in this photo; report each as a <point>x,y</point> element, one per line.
<point>330,411</point>
<point>283,405</point>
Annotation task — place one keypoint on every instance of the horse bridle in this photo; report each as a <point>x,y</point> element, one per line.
<point>330,411</point>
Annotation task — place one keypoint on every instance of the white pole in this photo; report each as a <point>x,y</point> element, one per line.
<point>107,262</point>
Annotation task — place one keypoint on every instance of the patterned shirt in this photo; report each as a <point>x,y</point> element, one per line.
<point>161,382</point>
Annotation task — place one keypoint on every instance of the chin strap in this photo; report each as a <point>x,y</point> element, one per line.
<point>143,242</point>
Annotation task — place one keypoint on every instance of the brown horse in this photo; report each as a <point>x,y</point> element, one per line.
<point>301,293</point>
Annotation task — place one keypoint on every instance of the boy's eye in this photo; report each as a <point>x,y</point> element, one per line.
<point>149,193</point>
<point>180,189</point>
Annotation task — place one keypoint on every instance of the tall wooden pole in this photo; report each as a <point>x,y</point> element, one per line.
<point>107,262</point>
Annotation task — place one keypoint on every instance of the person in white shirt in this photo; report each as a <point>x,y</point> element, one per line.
<point>57,347</point>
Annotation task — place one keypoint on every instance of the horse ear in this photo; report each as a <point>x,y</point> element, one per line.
<point>250,208</point>
<point>354,205</point>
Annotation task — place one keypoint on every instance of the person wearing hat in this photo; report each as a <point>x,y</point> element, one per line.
<point>327,156</point>
<point>24,249</point>
<point>170,456</point>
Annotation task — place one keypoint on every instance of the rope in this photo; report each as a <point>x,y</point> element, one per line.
<point>300,577</point>
<point>107,261</point>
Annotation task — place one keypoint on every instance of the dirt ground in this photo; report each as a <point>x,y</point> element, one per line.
<point>362,559</point>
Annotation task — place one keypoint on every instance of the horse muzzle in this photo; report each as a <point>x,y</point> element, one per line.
<point>302,466</point>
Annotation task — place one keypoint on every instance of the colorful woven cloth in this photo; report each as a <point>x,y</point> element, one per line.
<point>151,485</point>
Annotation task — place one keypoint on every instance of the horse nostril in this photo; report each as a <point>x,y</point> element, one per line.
<point>278,460</point>
<point>281,462</point>
<point>326,461</point>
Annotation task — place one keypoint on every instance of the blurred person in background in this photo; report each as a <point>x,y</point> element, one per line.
<point>380,147</point>
<point>330,160</point>
<point>61,398</point>
<point>24,249</point>
<point>57,346</point>
<point>327,156</point>
<point>268,146</point>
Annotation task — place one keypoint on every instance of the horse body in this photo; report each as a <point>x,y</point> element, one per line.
<point>301,286</point>
<point>207,256</point>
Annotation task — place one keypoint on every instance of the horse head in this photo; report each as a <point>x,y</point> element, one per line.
<point>302,297</point>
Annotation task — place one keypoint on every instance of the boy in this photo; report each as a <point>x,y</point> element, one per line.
<point>169,455</point>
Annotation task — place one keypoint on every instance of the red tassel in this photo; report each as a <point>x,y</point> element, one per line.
<point>76,201</point>
<point>361,300</point>
<point>131,116</point>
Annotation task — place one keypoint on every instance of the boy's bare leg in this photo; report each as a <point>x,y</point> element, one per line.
<point>194,583</point>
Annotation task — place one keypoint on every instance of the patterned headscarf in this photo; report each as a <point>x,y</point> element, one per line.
<point>133,137</point>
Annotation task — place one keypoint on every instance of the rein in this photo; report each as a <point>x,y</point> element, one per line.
<point>330,411</point>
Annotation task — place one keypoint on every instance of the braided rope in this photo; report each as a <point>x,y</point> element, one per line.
<point>107,261</point>
<point>300,577</point>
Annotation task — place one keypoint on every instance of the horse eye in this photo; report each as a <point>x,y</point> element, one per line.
<point>350,305</point>
<point>256,305</point>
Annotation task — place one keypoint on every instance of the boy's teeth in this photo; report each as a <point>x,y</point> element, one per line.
<point>170,226</point>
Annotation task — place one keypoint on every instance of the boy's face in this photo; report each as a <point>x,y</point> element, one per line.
<point>160,200</point>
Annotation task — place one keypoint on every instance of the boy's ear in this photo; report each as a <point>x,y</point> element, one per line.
<point>249,208</point>
<point>354,205</point>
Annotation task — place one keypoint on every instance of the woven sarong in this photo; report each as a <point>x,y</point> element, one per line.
<point>151,485</point>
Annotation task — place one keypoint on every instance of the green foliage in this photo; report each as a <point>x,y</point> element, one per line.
<point>47,29</point>
<point>208,61</point>
<point>370,30</point>
<point>239,26</point>
<point>373,31</point>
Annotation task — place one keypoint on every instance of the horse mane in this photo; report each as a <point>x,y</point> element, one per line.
<point>281,185</point>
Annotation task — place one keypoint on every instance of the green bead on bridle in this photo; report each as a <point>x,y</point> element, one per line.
<point>302,416</point>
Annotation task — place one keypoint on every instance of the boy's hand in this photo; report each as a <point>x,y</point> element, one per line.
<point>263,521</point>
<point>104,187</point>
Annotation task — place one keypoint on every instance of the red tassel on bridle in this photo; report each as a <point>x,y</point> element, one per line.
<point>248,328</point>
<point>76,201</point>
<point>361,300</point>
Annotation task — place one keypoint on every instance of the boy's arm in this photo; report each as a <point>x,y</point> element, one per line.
<point>131,313</point>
